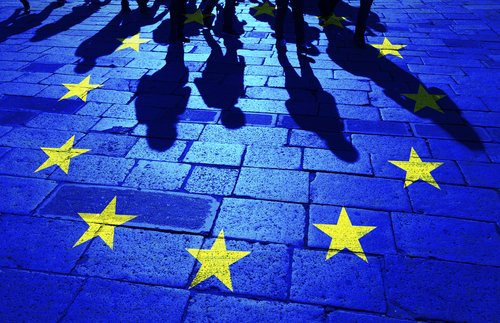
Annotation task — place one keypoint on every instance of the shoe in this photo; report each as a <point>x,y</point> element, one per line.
<point>61,2</point>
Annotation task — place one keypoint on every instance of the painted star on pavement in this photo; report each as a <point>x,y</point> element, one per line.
<point>417,169</point>
<point>103,224</point>
<point>80,89</point>
<point>197,16</point>
<point>424,99</point>
<point>387,48</point>
<point>345,236</point>
<point>133,42</point>
<point>265,9</point>
<point>332,20</point>
<point>216,262</point>
<point>61,156</point>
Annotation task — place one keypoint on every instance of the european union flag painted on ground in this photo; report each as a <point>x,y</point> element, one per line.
<point>249,161</point>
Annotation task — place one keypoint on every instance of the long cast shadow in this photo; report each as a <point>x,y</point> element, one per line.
<point>161,97</point>
<point>395,81</point>
<point>221,83</point>
<point>105,42</point>
<point>307,96</point>
<point>77,15</point>
<point>16,24</point>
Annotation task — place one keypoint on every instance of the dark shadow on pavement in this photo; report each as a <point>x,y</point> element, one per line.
<point>105,42</point>
<point>77,15</point>
<point>161,97</point>
<point>308,100</point>
<point>18,24</point>
<point>395,80</point>
<point>221,83</point>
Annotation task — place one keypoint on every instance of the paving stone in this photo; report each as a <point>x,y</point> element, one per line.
<point>378,241</point>
<point>436,290</point>
<point>157,175</point>
<point>150,257</point>
<point>263,272</point>
<point>208,308</point>
<point>377,127</point>
<point>214,153</point>
<point>212,180</point>
<point>100,299</point>
<point>272,184</point>
<point>262,221</point>
<point>481,174</point>
<point>446,238</point>
<point>450,149</point>
<point>326,160</point>
<point>344,280</point>
<point>273,157</point>
<point>246,135</point>
<point>26,161</point>
<point>58,121</point>
<point>30,296</point>
<point>448,172</point>
<point>456,201</point>
<point>182,131</point>
<point>95,169</point>
<point>390,147</point>
<point>15,118</point>
<point>157,149</point>
<point>23,195</point>
<point>36,138</point>
<point>343,316</point>
<point>38,244</point>
<point>362,192</point>
<point>107,144</point>
<point>158,210</point>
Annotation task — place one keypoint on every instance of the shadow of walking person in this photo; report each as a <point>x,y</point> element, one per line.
<point>77,15</point>
<point>396,83</point>
<point>313,109</point>
<point>105,42</point>
<point>160,99</point>
<point>16,24</point>
<point>221,83</point>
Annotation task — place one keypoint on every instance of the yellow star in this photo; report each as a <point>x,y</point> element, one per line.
<point>424,99</point>
<point>61,156</point>
<point>417,169</point>
<point>133,42</point>
<point>197,16</point>
<point>332,20</point>
<point>216,262</point>
<point>80,90</point>
<point>345,236</point>
<point>265,8</point>
<point>103,224</point>
<point>387,48</point>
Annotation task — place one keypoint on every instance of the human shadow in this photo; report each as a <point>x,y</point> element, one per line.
<point>77,15</point>
<point>161,97</point>
<point>222,83</point>
<point>105,42</point>
<point>395,81</point>
<point>314,109</point>
<point>311,33</point>
<point>18,24</point>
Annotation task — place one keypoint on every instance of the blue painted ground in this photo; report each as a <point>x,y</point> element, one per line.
<point>227,134</point>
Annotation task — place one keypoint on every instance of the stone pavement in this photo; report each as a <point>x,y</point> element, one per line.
<point>230,144</point>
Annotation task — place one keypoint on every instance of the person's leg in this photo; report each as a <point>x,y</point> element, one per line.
<point>364,11</point>
<point>298,20</point>
<point>282,7</point>
<point>209,6</point>
<point>26,6</point>
<point>125,6</point>
<point>229,15</point>
<point>177,12</point>
<point>143,5</point>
